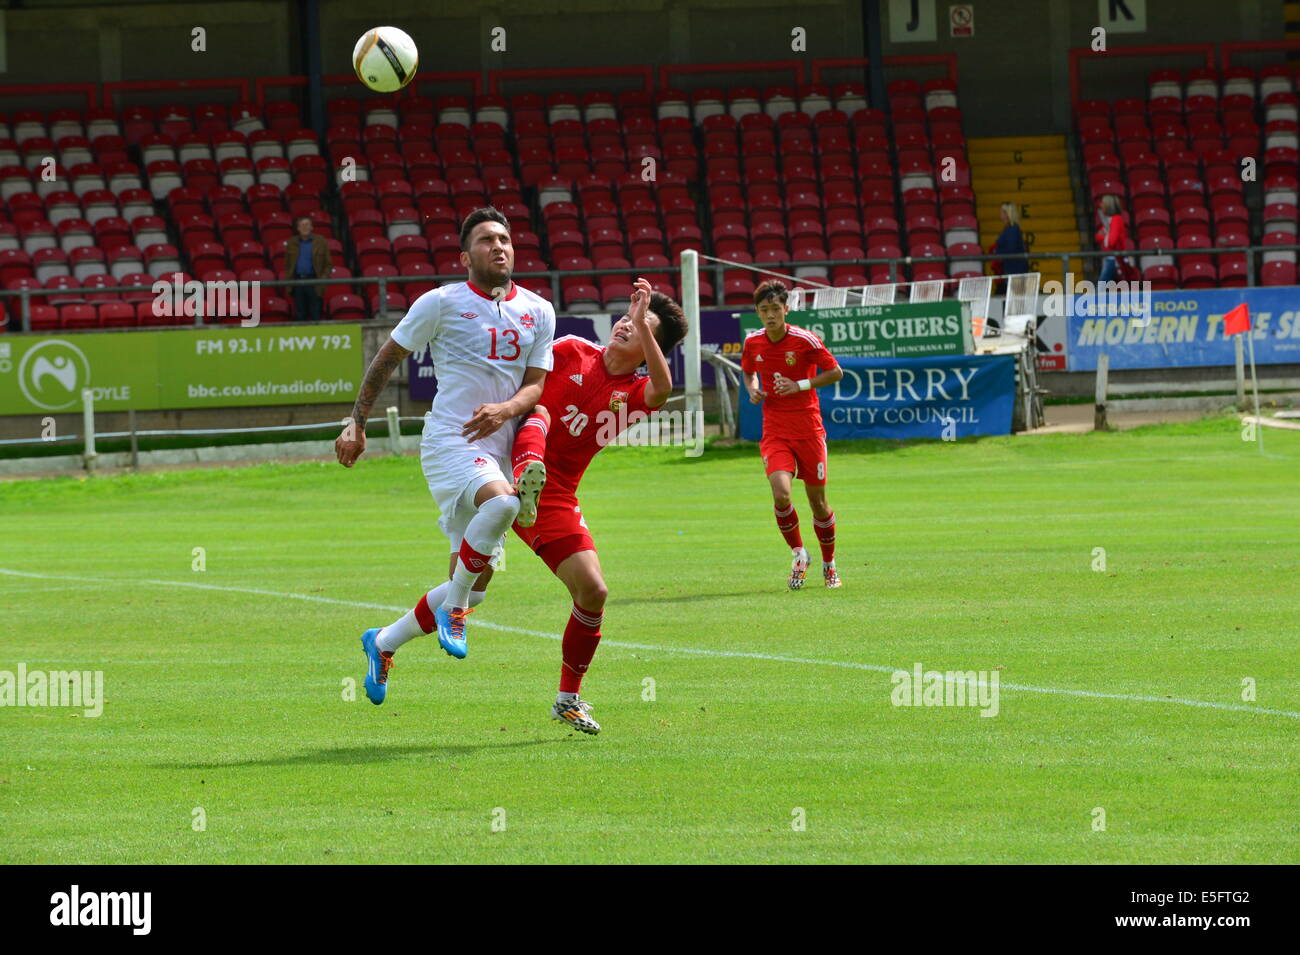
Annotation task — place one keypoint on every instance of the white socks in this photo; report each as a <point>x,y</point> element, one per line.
<point>407,628</point>
<point>484,532</point>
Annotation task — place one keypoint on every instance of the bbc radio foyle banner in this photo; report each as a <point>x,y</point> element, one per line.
<point>217,367</point>
<point>953,396</point>
<point>1185,330</point>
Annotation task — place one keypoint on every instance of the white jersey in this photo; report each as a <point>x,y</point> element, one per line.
<point>480,347</point>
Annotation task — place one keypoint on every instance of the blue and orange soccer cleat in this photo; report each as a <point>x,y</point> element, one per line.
<point>378,663</point>
<point>451,630</point>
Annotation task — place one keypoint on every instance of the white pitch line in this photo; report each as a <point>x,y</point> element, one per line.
<point>691,651</point>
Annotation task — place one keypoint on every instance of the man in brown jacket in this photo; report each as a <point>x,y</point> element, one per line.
<point>306,256</point>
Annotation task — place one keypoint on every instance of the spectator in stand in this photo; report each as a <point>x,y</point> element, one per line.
<point>1010,243</point>
<point>1112,236</point>
<point>306,256</point>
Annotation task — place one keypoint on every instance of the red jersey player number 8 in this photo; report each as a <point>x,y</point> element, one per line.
<point>784,365</point>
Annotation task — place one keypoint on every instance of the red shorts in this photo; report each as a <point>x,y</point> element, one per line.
<point>805,458</point>
<point>559,532</point>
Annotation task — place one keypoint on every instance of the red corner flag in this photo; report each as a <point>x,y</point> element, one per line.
<point>1237,320</point>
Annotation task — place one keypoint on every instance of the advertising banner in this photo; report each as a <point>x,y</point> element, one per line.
<point>897,398</point>
<point>218,367</point>
<point>884,331</point>
<point>1185,330</point>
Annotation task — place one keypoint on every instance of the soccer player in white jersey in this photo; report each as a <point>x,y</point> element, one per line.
<point>490,341</point>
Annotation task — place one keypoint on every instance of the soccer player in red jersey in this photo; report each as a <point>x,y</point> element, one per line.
<point>591,394</point>
<point>784,366</point>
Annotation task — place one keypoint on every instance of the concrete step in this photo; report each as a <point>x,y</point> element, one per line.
<point>1052,268</point>
<point>1062,195</point>
<point>1037,211</point>
<point>1025,183</point>
<point>1016,157</point>
<point>1015,142</point>
<point>1059,169</point>
<point>1063,240</point>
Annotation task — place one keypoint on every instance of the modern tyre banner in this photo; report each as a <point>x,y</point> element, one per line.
<point>181,368</point>
<point>1185,330</point>
<point>945,397</point>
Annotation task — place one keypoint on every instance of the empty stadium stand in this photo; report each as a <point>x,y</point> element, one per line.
<point>802,175</point>
<point>1208,159</point>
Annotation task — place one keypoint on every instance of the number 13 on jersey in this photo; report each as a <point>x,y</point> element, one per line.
<point>509,343</point>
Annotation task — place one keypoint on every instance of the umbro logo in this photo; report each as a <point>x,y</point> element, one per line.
<point>576,379</point>
<point>469,315</point>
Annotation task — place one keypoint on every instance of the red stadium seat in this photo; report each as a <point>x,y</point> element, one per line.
<point>78,317</point>
<point>1278,273</point>
<point>117,315</point>
<point>346,307</point>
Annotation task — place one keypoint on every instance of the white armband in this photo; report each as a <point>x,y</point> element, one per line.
<point>805,384</point>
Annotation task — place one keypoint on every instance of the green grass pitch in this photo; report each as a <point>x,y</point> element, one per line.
<point>771,736</point>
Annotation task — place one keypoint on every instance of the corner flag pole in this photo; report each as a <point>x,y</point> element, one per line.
<point>691,306</point>
<point>1236,321</point>
<point>1254,384</point>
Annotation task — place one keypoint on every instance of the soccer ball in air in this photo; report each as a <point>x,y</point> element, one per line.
<point>385,59</point>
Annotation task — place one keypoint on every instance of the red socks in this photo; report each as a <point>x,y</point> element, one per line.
<point>826,536</point>
<point>530,442</point>
<point>424,615</point>
<point>471,560</point>
<point>787,522</point>
<point>581,637</point>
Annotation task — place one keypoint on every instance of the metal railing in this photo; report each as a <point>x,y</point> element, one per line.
<point>556,277</point>
<point>391,426</point>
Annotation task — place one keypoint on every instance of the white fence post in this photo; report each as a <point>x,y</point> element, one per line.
<point>394,432</point>
<point>691,305</point>
<point>1099,422</point>
<point>88,428</point>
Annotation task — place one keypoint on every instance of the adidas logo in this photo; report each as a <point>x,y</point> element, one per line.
<point>576,379</point>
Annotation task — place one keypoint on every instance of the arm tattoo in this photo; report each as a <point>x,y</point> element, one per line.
<point>381,368</point>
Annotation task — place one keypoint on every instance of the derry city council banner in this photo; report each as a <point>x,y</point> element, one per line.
<point>947,397</point>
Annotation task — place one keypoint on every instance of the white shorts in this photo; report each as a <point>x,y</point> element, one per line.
<point>455,469</point>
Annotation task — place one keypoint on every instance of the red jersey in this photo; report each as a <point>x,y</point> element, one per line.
<point>589,407</point>
<point>798,354</point>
